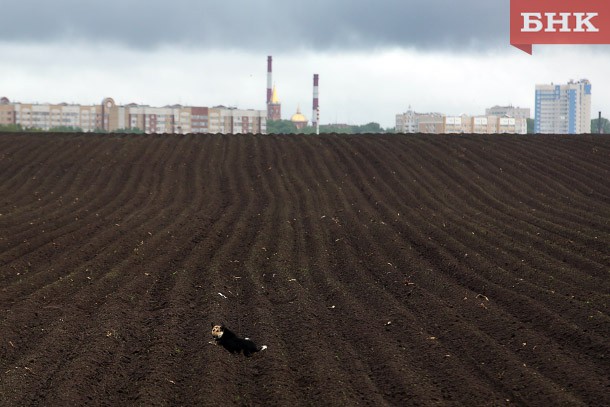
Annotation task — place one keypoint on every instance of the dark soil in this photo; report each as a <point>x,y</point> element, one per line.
<point>379,270</point>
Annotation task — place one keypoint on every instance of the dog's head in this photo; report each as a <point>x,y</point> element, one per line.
<point>217,331</point>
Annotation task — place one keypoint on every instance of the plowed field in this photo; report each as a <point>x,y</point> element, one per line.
<point>379,270</point>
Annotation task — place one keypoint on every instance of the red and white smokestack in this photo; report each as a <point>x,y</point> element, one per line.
<point>269,79</point>
<point>316,105</point>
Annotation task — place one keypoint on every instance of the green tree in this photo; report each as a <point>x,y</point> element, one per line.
<point>131,130</point>
<point>281,127</point>
<point>287,127</point>
<point>371,127</point>
<point>335,128</point>
<point>65,129</point>
<point>530,126</point>
<point>13,128</point>
<point>605,126</point>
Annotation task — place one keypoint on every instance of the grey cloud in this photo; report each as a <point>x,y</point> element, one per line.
<point>262,25</point>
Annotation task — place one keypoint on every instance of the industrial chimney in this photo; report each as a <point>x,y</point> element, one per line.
<point>316,106</point>
<point>269,78</point>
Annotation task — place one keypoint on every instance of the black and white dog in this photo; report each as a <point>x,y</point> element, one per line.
<point>231,342</point>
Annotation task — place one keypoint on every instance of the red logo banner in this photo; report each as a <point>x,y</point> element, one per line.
<point>559,22</point>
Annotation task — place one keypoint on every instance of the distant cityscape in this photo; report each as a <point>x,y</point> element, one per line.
<point>110,117</point>
<point>559,109</point>
<point>497,119</point>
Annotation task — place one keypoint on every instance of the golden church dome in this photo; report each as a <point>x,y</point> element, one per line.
<point>298,117</point>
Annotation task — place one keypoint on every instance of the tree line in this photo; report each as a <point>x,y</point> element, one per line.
<point>288,127</point>
<point>17,128</point>
<point>281,127</point>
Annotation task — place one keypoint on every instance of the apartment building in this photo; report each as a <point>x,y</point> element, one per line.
<point>436,123</point>
<point>412,122</point>
<point>230,120</point>
<point>485,125</point>
<point>563,109</point>
<point>168,119</point>
<point>47,116</point>
<point>108,116</point>
<point>7,111</point>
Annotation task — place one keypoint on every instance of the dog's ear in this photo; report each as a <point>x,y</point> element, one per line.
<point>213,324</point>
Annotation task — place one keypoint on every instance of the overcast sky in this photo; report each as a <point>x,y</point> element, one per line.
<point>374,58</point>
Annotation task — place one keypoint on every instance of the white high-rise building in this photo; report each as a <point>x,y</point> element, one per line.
<point>563,109</point>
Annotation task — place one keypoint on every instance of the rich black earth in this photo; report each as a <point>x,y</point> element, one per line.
<point>379,270</point>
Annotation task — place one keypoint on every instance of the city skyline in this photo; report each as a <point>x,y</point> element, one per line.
<point>110,117</point>
<point>374,60</point>
<point>568,111</point>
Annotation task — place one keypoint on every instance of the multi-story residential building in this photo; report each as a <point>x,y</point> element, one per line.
<point>431,123</point>
<point>563,109</point>
<point>412,122</point>
<point>456,124</point>
<point>406,122</point>
<point>47,116</point>
<point>168,119</point>
<point>237,121</point>
<point>485,125</point>
<point>436,123</point>
<point>509,111</point>
<point>199,120</point>
<point>7,111</point>
<point>108,116</point>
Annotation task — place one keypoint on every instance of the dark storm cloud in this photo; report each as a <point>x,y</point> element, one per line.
<point>261,24</point>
